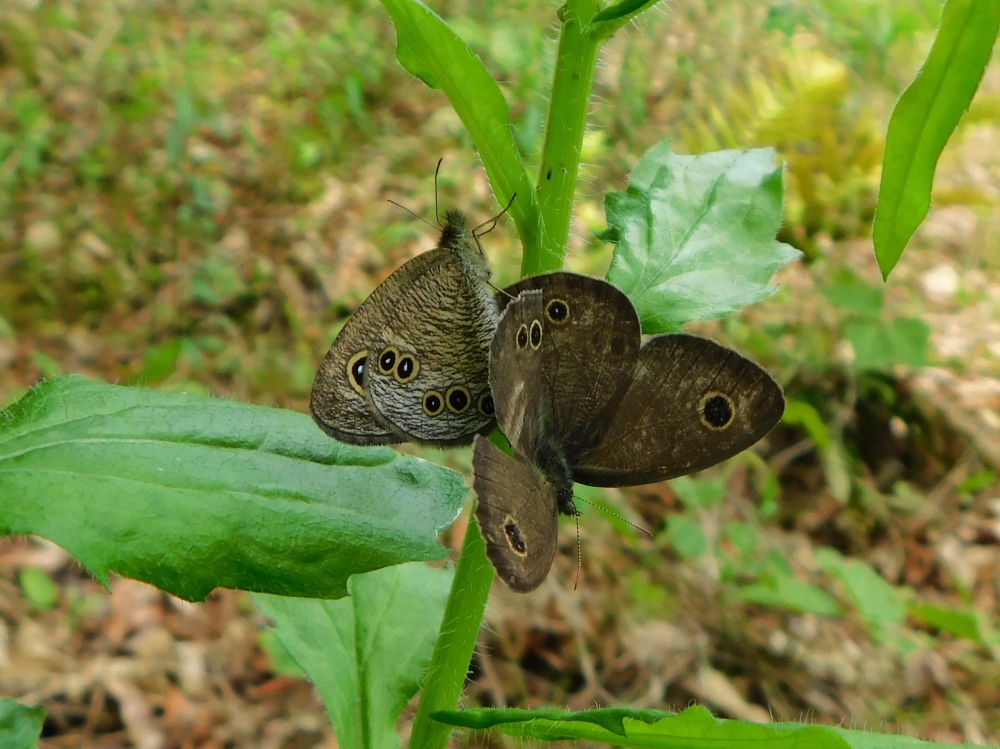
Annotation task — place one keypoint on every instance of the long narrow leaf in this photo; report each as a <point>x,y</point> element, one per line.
<point>435,54</point>
<point>924,119</point>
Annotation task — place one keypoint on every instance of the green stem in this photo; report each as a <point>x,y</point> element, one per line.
<point>463,616</point>
<point>576,63</point>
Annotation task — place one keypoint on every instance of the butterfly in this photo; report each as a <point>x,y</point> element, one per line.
<point>582,399</point>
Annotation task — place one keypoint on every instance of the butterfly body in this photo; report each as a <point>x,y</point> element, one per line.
<point>412,363</point>
<point>581,398</point>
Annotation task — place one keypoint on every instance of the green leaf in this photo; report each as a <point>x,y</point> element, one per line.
<point>610,19</point>
<point>191,493</point>
<point>698,492</point>
<point>924,119</point>
<point>686,536</point>
<point>281,660</point>
<point>367,654</point>
<point>786,592</point>
<point>879,345</point>
<point>436,55</point>
<point>878,602</point>
<point>806,416</point>
<point>20,725</point>
<point>958,623</point>
<point>850,293</point>
<point>695,234</point>
<point>694,728</point>
<point>39,589</point>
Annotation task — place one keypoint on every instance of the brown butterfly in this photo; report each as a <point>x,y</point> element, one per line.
<point>581,398</point>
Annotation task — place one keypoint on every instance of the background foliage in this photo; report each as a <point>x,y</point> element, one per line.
<point>191,198</point>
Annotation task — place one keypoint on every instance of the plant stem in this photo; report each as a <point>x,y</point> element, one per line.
<point>459,631</point>
<point>576,63</point>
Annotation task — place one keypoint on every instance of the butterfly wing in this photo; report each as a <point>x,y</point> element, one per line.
<point>436,309</point>
<point>427,372</point>
<point>516,511</point>
<point>339,401</point>
<point>691,404</point>
<point>589,347</point>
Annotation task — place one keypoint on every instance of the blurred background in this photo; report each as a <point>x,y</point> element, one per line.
<point>193,197</point>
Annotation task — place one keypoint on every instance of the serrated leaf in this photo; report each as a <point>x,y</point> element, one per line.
<point>694,728</point>
<point>696,234</point>
<point>20,725</point>
<point>434,53</point>
<point>368,653</point>
<point>192,493</point>
<point>924,119</point>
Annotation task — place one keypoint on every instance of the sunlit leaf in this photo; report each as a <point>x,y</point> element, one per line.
<point>958,623</point>
<point>435,54</point>
<point>924,119</point>
<point>695,234</point>
<point>367,653</point>
<point>191,493</point>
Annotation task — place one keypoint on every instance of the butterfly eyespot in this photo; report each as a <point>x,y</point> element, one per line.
<point>407,368</point>
<point>486,405</point>
<point>458,398</point>
<point>514,537</point>
<point>557,311</point>
<point>433,403</point>
<point>387,360</point>
<point>536,334</point>
<point>522,336</point>
<point>356,371</point>
<point>716,410</point>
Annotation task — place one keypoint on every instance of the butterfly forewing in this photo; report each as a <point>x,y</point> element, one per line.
<point>590,341</point>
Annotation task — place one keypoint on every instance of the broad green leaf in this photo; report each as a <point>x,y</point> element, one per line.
<point>924,119</point>
<point>786,592</point>
<point>368,653</point>
<point>878,345</point>
<point>958,623</point>
<point>436,55</point>
<point>191,493</point>
<point>878,602</point>
<point>694,728</point>
<point>20,725</point>
<point>695,234</point>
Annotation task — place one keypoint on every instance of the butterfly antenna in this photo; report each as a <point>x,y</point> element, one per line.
<point>412,213</point>
<point>606,511</point>
<point>476,234</point>
<point>493,221</point>
<point>437,213</point>
<point>501,291</point>
<point>579,554</point>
